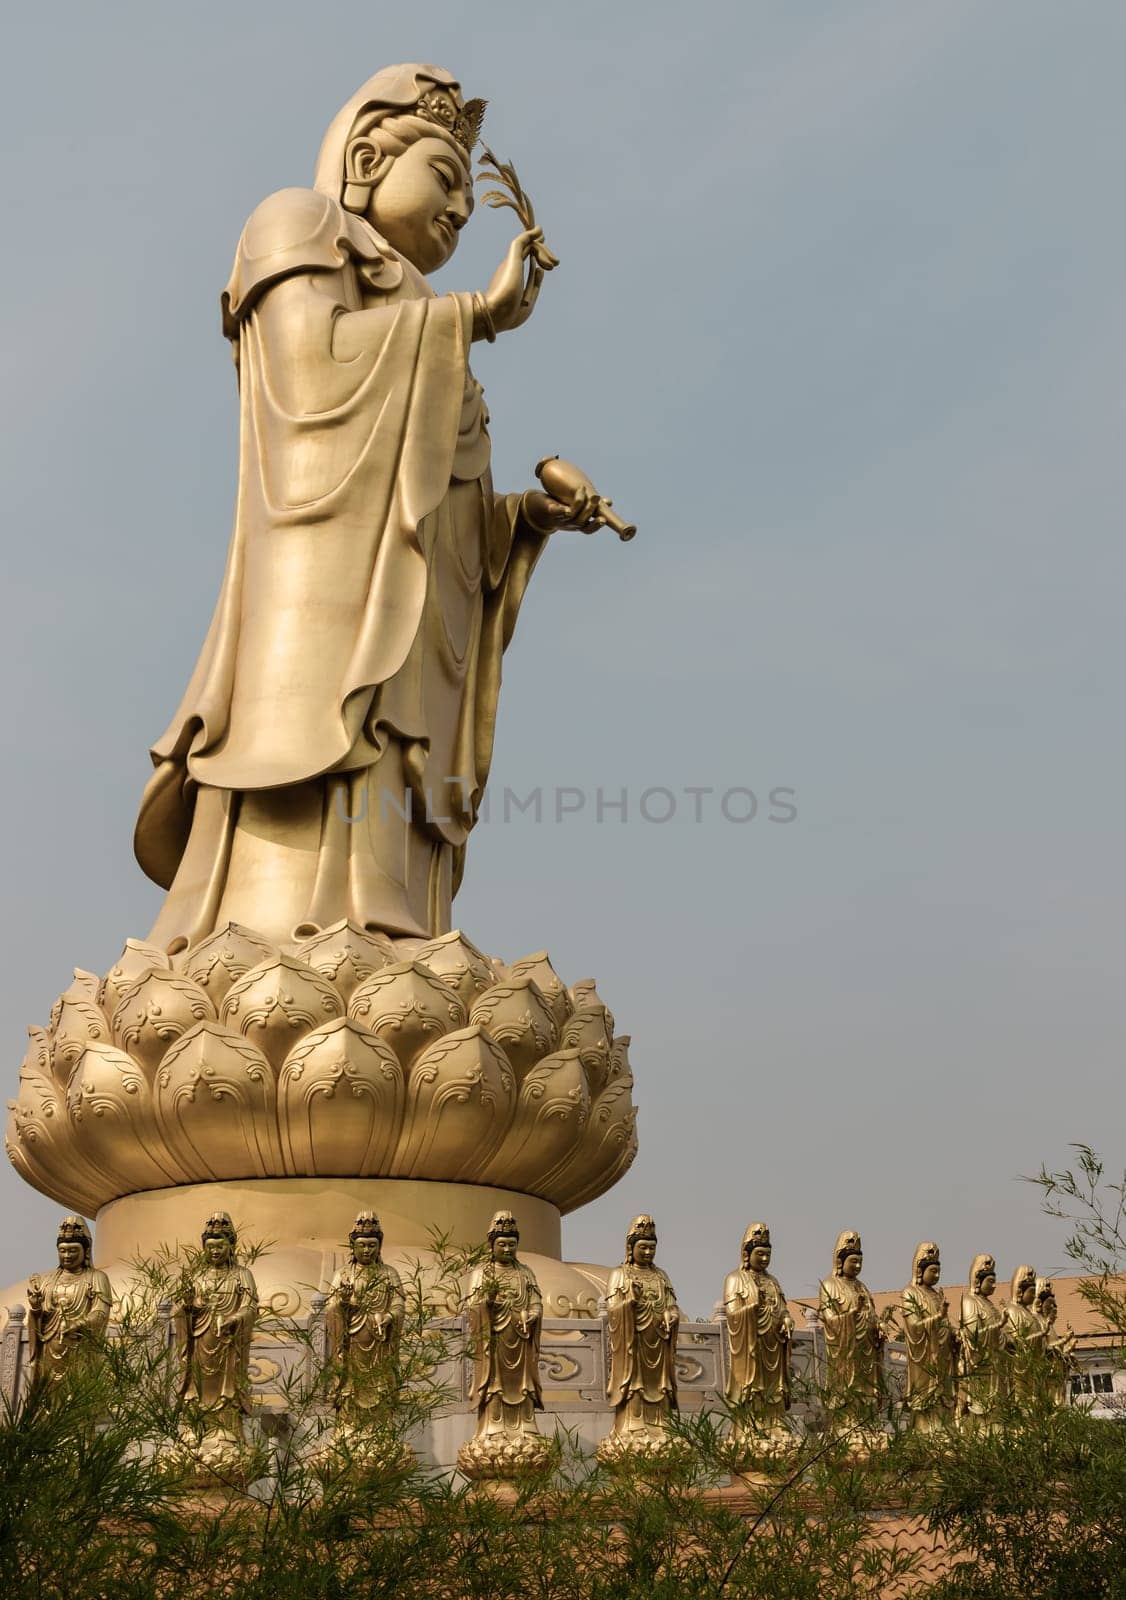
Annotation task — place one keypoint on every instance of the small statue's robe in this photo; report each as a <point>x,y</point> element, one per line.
<point>214,1357</point>
<point>642,1321</point>
<point>932,1349</point>
<point>63,1332</point>
<point>331,749</point>
<point>853,1343</point>
<point>363,1332</point>
<point>504,1336</point>
<point>981,1367</point>
<point>1025,1335</point>
<point>759,1328</point>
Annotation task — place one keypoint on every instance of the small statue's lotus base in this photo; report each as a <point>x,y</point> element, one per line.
<point>647,1450</point>
<point>858,1443</point>
<point>512,1456</point>
<point>767,1451</point>
<point>217,1458</point>
<point>365,1447</point>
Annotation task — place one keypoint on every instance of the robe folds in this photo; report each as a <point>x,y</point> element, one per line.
<point>213,1328</point>
<point>504,1335</point>
<point>759,1327</point>
<point>853,1344</point>
<point>642,1320</point>
<point>372,583</point>
<point>932,1350</point>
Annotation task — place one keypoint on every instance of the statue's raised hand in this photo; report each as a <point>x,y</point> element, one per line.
<point>511,296</point>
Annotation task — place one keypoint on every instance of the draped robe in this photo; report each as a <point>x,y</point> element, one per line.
<point>504,1334</point>
<point>759,1327</point>
<point>364,1326</point>
<point>331,749</point>
<point>980,1359</point>
<point>62,1331</point>
<point>1026,1334</point>
<point>214,1356</point>
<point>852,1345</point>
<point>642,1321</point>
<point>931,1353</point>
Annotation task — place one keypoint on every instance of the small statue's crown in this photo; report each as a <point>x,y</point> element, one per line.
<point>642,1227</point>
<point>503,1223</point>
<point>367,1226</point>
<point>926,1255</point>
<point>219,1226</point>
<point>848,1244</point>
<point>757,1234</point>
<point>74,1228</point>
<point>462,121</point>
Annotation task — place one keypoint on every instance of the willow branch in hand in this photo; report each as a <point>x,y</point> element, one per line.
<point>515,197</point>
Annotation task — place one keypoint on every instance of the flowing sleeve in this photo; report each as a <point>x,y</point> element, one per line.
<point>478,1331</point>
<point>622,1333</point>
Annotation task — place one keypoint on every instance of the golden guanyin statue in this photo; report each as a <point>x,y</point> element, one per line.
<point>504,1316</point>
<point>67,1309</point>
<point>312,798</point>
<point>932,1344</point>
<point>854,1342</point>
<point>364,1313</point>
<point>759,1328</point>
<point>642,1320</point>
<point>1058,1347</point>
<point>213,1318</point>
<point>981,1347</point>
<point>329,755</point>
<point>1025,1336</point>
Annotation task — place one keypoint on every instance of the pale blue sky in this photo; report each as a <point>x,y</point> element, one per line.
<point>841,324</point>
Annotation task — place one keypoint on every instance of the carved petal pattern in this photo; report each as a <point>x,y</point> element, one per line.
<point>153,1014</point>
<point>40,1141</point>
<point>408,1007</point>
<point>216,1106</point>
<point>276,1004</point>
<point>584,993</point>
<point>520,1020</point>
<point>460,1099</point>
<point>590,1030</point>
<point>548,981</point>
<point>225,956</point>
<point>458,963</point>
<point>340,1103</point>
<point>604,1153</point>
<point>76,1021</point>
<point>551,1113</point>
<point>111,1108</point>
<point>136,959</point>
<point>346,955</point>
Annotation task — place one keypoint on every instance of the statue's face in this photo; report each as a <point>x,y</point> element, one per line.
<point>1026,1292</point>
<point>217,1250</point>
<point>759,1258</point>
<point>366,1249</point>
<point>852,1264</point>
<point>504,1248</point>
<point>931,1273</point>
<point>988,1284</point>
<point>72,1253</point>
<point>1049,1307</point>
<point>423,201</point>
<point>644,1252</point>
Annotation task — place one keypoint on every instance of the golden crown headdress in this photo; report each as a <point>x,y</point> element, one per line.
<point>219,1226</point>
<point>463,122</point>
<point>367,1226</point>
<point>758,1233</point>
<point>75,1228</point>
<point>503,1223</point>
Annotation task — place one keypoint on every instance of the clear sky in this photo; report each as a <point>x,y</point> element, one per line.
<point>840,322</point>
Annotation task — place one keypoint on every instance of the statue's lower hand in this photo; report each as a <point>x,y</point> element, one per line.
<point>546,513</point>
<point>511,297</point>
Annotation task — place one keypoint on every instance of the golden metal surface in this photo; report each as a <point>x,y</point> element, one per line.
<point>643,1320</point>
<point>932,1344</point>
<point>1058,1347</point>
<point>759,1329</point>
<point>504,1318</point>
<point>67,1308</point>
<point>981,1335</point>
<point>1025,1335</point>
<point>854,1339</point>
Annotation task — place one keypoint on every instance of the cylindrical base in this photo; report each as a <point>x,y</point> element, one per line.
<point>302,1225</point>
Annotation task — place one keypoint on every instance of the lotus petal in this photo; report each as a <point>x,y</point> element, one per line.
<point>40,1141</point>
<point>408,1007</point>
<point>219,961</point>
<point>548,981</point>
<point>76,1021</point>
<point>154,1012</point>
<point>216,1106</point>
<point>136,959</point>
<point>551,1113</point>
<point>277,1003</point>
<point>346,955</point>
<point>111,1107</point>
<point>583,994</point>
<point>340,1103</point>
<point>459,964</point>
<point>590,1031</point>
<point>605,1151</point>
<point>520,1020</point>
<point>460,1099</point>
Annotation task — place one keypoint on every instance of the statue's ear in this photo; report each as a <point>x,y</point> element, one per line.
<point>364,165</point>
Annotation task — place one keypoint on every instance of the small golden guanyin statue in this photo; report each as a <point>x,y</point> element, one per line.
<point>1057,1346</point>
<point>213,1320</point>
<point>364,1315</point>
<point>854,1340</point>
<point>68,1308</point>
<point>1025,1338</point>
<point>642,1319</point>
<point>504,1316</point>
<point>981,1339</point>
<point>759,1328</point>
<point>932,1344</point>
